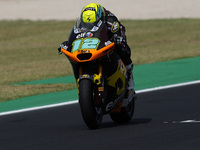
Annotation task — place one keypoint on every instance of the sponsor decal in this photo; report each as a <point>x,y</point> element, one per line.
<point>65,47</point>
<point>89,8</point>
<point>99,23</point>
<point>108,43</point>
<point>115,27</point>
<point>89,34</point>
<point>88,19</point>
<point>110,105</point>
<point>84,51</point>
<point>95,28</point>
<point>80,35</point>
<point>101,89</point>
<point>84,76</point>
<point>76,30</point>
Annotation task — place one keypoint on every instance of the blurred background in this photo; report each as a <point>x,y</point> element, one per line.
<point>124,9</point>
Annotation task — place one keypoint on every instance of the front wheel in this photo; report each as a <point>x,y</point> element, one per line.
<point>125,114</point>
<point>91,114</point>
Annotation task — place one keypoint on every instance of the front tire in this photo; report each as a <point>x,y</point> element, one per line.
<point>91,114</point>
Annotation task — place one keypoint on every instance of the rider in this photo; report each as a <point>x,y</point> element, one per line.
<point>94,12</point>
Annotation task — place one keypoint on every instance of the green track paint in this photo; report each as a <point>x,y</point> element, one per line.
<point>145,76</point>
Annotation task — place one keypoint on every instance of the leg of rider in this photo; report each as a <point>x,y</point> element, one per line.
<point>129,65</point>
<point>125,54</point>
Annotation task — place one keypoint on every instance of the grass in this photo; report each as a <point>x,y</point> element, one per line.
<point>28,50</point>
<point>163,40</point>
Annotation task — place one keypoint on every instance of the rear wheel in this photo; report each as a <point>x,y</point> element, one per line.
<point>125,114</point>
<point>91,114</point>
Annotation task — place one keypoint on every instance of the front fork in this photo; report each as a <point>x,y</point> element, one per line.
<point>98,84</point>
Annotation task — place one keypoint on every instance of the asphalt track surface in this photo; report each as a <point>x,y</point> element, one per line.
<point>164,120</point>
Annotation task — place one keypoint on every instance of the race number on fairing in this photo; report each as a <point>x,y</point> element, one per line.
<point>87,43</point>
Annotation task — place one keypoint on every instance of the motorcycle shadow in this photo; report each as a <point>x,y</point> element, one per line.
<point>135,121</point>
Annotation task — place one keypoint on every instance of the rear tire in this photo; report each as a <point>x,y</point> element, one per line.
<point>125,114</point>
<point>91,115</point>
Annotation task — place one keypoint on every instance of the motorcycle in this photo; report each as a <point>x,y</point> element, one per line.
<point>100,75</point>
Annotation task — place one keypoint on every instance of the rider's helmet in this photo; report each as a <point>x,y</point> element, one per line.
<point>92,13</point>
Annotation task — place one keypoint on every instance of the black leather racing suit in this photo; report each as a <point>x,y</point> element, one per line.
<point>115,28</point>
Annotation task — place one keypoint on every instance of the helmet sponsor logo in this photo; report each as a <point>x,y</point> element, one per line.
<point>89,8</point>
<point>88,19</point>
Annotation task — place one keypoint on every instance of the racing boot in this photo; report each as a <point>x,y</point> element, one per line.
<point>129,74</point>
<point>130,94</point>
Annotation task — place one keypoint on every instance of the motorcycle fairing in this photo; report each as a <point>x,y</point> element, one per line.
<point>117,80</point>
<point>86,54</point>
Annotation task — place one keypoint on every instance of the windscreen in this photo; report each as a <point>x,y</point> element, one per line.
<point>84,27</point>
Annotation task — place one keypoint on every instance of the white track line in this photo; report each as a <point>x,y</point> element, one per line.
<point>38,108</point>
<point>168,86</point>
<point>76,101</point>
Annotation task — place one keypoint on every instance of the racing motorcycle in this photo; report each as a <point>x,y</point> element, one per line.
<point>100,75</point>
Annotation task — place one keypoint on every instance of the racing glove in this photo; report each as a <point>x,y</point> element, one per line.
<point>117,39</point>
<point>64,45</point>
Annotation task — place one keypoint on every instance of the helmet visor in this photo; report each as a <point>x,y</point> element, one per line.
<point>84,27</point>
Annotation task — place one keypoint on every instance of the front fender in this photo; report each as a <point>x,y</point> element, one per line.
<point>95,78</point>
<point>85,76</point>
<point>98,87</point>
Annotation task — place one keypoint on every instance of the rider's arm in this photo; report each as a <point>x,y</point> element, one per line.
<point>64,45</point>
<point>116,31</point>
